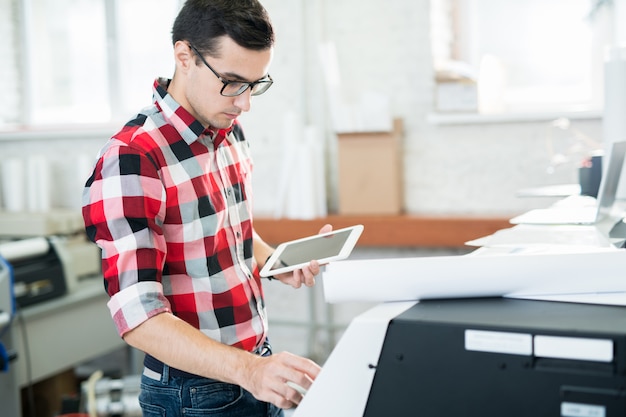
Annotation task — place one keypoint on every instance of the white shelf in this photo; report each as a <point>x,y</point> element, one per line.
<point>499,118</point>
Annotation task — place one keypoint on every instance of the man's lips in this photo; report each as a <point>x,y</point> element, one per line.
<point>232,115</point>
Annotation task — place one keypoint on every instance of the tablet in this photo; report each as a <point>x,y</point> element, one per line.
<point>324,248</point>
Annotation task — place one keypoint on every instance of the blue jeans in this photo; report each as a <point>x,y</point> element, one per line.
<point>192,397</point>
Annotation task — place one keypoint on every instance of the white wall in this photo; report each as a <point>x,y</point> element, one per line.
<point>10,107</point>
<point>382,47</point>
<point>385,46</point>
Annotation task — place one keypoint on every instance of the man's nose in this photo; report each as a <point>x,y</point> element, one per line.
<point>244,100</point>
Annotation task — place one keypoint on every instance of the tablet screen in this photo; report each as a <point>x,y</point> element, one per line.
<point>328,246</point>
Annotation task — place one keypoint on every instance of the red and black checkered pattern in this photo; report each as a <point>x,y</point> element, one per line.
<point>168,203</point>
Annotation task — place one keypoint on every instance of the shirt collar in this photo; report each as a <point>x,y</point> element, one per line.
<point>187,125</point>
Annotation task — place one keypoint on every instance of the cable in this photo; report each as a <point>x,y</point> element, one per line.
<point>5,329</point>
<point>92,408</point>
<point>7,265</point>
<point>29,373</point>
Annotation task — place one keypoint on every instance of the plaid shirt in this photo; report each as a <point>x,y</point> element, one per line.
<point>169,205</point>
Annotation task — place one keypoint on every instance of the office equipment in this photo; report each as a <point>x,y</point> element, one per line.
<point>45,268</point>
<point>587,213</point>
<point>104,397</point>
<point>7,308</point>
<point>487,357</point>
<point>37,270</point>
<point>613,121</point>
<point>590,175</point>
<point>326,247</point>
<point>342,387</point>
<point>56,329</point>
<point>502,357</point>
<point>62,333</point>
<point>9,388</point>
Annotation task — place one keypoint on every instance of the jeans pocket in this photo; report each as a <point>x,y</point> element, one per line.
<point>156,400</point>
<point>151,410</point>
<point>215,396</point>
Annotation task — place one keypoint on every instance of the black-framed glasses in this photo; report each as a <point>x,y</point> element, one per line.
<point>235,88</point>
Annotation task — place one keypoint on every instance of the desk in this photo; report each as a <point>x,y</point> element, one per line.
<point>389,231</point>
<point>62,333</point>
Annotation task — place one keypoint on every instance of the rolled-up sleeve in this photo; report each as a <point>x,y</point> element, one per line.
<point>133,305</point>
<point>123,210</point>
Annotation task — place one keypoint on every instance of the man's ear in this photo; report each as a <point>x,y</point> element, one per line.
<point>183,56</point>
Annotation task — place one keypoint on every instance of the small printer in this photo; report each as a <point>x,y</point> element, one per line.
<point>45,268</point>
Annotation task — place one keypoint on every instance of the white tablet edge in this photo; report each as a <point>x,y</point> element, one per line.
<point>346,249</point>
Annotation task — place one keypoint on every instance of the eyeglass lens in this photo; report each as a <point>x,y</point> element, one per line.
<point>235,88</point>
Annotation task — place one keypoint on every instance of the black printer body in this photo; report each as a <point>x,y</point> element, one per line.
<point>499,357</point>
<point>38,278</point>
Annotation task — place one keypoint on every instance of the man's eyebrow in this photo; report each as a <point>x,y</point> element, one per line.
<point>232,76</point>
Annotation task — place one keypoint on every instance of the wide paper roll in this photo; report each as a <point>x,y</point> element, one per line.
<point>38,183</point>
<point>413,279</point>
<point>13,185</point>
<point>25,248</point>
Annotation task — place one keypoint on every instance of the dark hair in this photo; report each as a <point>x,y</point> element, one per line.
<point>202,22</point>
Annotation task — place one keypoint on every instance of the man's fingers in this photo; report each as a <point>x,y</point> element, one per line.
<point>293,376</point>
<point>325,229</point>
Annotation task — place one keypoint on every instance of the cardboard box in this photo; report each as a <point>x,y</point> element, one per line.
<point>370,172</point>
<point>48,394</point>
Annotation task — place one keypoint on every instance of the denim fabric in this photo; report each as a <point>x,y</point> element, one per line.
<point>193,397</point>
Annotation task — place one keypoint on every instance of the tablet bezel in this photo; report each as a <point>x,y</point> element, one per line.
<point>346,250</point>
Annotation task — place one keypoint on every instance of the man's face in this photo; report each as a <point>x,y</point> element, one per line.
<point>202,87</point>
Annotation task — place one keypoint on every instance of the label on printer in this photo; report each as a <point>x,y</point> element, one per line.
<point>499,342</point>
<point>582,410</point>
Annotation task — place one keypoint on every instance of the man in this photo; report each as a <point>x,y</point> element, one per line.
<point>169,204</point>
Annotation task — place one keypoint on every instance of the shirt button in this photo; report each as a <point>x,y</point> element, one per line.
<point>238,234</point>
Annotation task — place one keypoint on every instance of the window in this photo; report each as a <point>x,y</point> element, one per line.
<point>67,62</point>
<point>79,61</point>
<point>524,56</point>
<point>144,50</point>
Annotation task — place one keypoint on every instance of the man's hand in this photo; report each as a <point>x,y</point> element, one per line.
<point>271,378</point>
<point>307,274</point>
<point>170,339</point>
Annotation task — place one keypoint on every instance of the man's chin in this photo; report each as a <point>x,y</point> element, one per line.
<point>223,123</point>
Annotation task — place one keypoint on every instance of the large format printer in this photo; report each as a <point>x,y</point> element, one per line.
<point>487,357</point>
